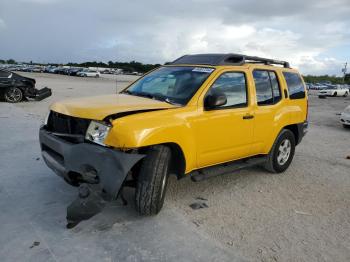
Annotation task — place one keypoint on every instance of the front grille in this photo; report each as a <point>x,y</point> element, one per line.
<point>64,124</point>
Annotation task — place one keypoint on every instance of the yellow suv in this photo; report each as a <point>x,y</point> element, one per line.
<point>201,115</point>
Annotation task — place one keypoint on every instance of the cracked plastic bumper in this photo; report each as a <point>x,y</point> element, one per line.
<point>111,166</point>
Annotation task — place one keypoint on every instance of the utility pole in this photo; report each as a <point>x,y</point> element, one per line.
<point>344,71</point>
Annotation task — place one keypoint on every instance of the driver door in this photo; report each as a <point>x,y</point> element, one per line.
<point>225,133</point>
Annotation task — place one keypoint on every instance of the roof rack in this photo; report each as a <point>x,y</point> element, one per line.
<point>226,59</point>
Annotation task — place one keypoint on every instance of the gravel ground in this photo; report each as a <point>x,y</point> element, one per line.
<point>301,215</point>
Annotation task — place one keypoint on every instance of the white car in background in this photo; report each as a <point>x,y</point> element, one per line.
<point>89,72</point>
<point>337,90</point>
<point>345,117</point>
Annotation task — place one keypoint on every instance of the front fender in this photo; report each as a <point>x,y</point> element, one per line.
<point>157,127</point>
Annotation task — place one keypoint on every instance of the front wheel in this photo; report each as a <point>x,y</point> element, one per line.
<point>335,94</point>
<point>152,180</point>
<point>14,95</point>
<point>282,152</point>
<point>346,94</point>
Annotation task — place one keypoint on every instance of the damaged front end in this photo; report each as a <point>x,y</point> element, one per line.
<point>99,171</point>
<point>40,94</point>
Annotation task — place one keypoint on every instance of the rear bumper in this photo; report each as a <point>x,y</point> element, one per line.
<point>109,166</point>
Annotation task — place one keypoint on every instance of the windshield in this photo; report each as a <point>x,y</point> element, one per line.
<point>171,84</point>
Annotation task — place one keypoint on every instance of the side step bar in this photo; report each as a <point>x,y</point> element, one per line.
<point>226,168</point>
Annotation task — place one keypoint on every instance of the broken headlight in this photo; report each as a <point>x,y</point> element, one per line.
<point>97,132</point>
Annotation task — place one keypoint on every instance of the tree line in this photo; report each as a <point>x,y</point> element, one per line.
<point>326,78</point>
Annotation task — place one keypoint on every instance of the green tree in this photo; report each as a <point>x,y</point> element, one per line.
<point>11,61</point>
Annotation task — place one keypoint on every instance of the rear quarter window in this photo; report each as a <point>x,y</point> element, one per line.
<point>295,85</point>
<point>4,74</point>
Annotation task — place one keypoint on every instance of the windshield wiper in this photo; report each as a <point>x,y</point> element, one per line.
<point>151,96</point>
<point>167,100</point>
<point>126,92</point>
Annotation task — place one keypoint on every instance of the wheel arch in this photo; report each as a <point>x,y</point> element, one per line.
<point>299,130</point>
<point>178,160</point>
<point>295,130</point>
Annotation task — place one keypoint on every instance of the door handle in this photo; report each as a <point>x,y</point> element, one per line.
<point>246,117</point>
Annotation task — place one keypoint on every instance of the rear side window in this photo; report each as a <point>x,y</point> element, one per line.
<point>4,74</point>
<point>268,91</point>
<point>295,85</point>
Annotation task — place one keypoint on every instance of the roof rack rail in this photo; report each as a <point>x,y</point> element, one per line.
<point>226,59</point>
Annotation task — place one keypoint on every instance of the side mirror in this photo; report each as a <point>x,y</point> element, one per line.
<point>214,100</point>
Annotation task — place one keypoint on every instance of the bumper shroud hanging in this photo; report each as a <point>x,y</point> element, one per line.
<point>109,166</point>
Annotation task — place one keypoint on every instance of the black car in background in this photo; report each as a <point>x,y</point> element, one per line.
<point>60,70</point>
<point>74,71</point>
<point>15,88</point>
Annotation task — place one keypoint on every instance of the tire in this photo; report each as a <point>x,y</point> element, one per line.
<point>335,94</point>
<point>346,94</point>
<point>152,180</point>
<point>274,162</point>
<point>13,95</point>
<point>97,76</point>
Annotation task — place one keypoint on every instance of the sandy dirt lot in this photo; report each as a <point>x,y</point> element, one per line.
<point>301,215</point>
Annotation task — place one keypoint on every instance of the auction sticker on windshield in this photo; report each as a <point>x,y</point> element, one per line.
<point>203,69</point>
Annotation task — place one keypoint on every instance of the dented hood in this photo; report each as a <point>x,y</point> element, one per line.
<point>99,107</point>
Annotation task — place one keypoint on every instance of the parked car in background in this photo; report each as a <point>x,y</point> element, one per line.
<point>37,69</point>
<point>49,69</point>
<point>89,72</point>
<point>15,88</point>
<point>106,71</point>
<point>74,71</point>
<point>334,90</point>
<point>345,117</point>
<point>60,70</point>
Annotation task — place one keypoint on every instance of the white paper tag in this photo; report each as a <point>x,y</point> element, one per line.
<point>203,69</point>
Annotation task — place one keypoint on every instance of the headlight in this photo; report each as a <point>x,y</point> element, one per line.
<point>97,132</point>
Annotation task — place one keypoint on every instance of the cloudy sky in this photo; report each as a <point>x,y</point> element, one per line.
<point>313,34</point>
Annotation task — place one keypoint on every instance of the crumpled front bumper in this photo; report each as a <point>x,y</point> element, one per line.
<point>42,93</point>
<point>66,159</point>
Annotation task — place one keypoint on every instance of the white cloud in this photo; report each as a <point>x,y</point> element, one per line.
<point>155,31</point>
<point>40,1</point>
<point>2,24</point>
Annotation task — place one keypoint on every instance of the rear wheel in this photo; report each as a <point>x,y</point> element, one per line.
<point>282,152</point>
<point>13,95</point>
<point>152,180</point>
<point>346,94</point>
<point>335,94</point>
